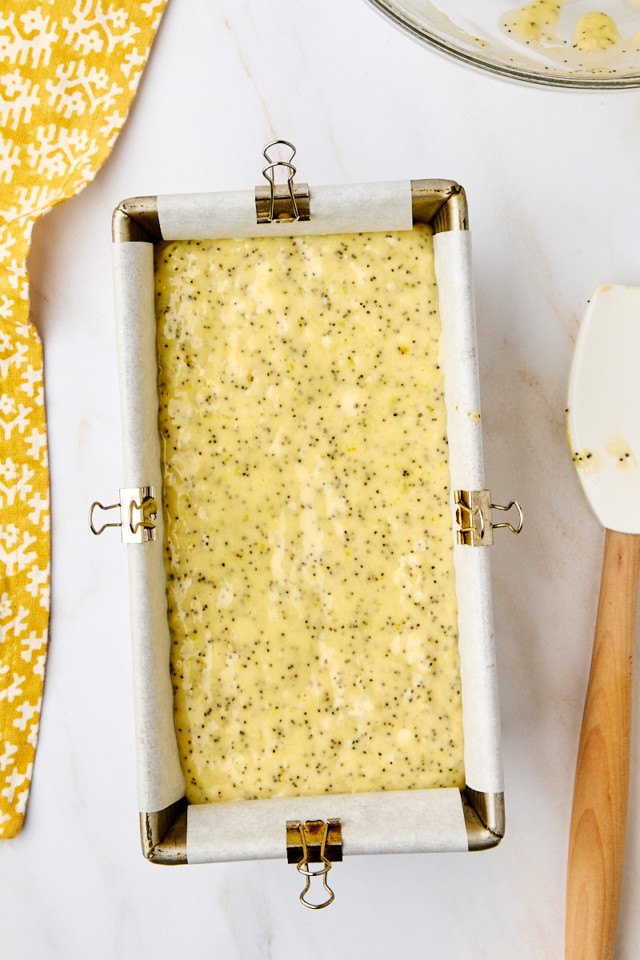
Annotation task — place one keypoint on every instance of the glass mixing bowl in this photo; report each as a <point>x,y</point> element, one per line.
<point>589,44</point>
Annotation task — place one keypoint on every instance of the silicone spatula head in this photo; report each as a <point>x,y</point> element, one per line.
<point>603,416</point>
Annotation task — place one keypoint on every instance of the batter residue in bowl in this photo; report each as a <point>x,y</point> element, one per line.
<point>546,24</point>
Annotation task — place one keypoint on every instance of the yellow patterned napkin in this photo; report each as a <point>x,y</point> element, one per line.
<point>68,72</point>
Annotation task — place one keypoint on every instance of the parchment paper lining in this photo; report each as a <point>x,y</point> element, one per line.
<point>407,821</point>
<point>430,819</point>
<point>481,721</point>
<point>356,208</point>
<point>160,780</point>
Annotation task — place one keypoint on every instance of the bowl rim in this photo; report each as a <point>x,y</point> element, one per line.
<point>392,11</point>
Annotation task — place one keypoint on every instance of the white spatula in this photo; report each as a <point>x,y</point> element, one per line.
<point>603,425</point>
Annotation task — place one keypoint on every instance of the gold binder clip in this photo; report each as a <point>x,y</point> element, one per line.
<point>473,514</point>
<point>282,202</point>
<point>316,841</point>
<point>138,512</point>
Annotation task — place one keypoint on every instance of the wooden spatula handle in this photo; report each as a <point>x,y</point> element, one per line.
<point>598,819</point>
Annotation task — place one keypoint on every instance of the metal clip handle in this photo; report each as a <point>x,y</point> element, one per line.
<point>281,203</point>
<point>512,503</point>
<point>98,530</point>
<point>148,510</point>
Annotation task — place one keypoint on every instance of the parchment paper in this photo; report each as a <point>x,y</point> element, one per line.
<point>482,747</point>
<point>426,820</point>
<point>160,780</point>
<point>356,208</point>
<point>406,821</point>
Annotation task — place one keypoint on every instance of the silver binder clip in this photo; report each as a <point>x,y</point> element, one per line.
<point>138,508</point>
<point>281,202</point>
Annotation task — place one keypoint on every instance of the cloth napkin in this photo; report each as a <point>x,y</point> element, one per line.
<point>68,73</point>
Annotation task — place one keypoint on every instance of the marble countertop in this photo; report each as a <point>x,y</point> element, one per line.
<point>552,185</point>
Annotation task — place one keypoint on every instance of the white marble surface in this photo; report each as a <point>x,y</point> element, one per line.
<point>552,182</point>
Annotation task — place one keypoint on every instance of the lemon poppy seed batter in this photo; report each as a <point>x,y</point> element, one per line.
<point>594,42</point>
<point>308,533</point>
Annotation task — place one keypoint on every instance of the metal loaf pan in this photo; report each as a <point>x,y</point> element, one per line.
<point>165,817</point>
